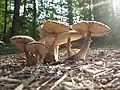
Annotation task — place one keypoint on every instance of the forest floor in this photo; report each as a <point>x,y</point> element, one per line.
<point>100,71</point>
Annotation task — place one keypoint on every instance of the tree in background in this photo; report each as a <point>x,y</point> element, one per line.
<point>2,9</point>
<point>5,21</point>
<point>24,16</point>
<point>34,19</point>
<point>15,23</point>
<point>70,12</point>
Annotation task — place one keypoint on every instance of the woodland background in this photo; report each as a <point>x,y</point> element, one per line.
<point>25,16</point>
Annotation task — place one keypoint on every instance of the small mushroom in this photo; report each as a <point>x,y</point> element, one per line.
<point>1,43</point>
<point>20,42</point>
<point>53,41</point>
<point>90,28</point>
<point>39,49</point>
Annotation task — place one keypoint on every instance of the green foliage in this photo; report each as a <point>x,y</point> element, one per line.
<point>2,6</point>
<point>99,10</point>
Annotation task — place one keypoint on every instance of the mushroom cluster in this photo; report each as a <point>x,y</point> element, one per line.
<point>53,34</point>
<point>34,51</point>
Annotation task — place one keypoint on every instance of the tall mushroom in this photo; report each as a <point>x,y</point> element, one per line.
<point>54,41</point>
<point>90,28</point>
<point>39,49</point>
<point>20,42</point>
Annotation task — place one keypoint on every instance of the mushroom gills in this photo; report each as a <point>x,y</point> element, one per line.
<point>96,28</point>
<point>53,41</point>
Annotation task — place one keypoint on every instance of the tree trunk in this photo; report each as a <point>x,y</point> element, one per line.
<point>24,15</point>
<point>15,23</point>
<point>90,9</point>
<point>34,20</point>
<point>5,21</point>
<point>70,14</point>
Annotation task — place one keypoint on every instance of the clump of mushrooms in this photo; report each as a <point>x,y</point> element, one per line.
<point>53,42</point>
<point>20,41</point>
<point>60,34</point>
<point>90,28</point>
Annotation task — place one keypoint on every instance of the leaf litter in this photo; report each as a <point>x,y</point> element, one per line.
<point>100,71</point>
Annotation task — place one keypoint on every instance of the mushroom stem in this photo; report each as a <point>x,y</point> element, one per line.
<point>53,50</point>
<point>56,48</point>
<point>49,57</point>
<point>39,59</point>
<point>29,59</point>
<point>69,47</point>
<point>83,52</point>
<point>33,58</point>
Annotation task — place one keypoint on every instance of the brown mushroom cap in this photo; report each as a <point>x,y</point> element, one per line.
<point>62,38</point>
<point>43,32</point>
<point>37,47</point>
<point>55,27</point>
<point>20,41</point>
<point>96,28</point>
<point>48,40</point>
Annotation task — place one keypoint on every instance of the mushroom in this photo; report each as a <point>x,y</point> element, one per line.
<point>53,41</point>
<point>39,49</point>
<point>20,42</point>
<point>1,43</point>
<point>90,28</point>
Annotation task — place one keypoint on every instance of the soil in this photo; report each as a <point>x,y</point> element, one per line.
<point>100,71</point>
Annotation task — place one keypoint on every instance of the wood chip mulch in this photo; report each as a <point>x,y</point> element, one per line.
<point>100,71</point>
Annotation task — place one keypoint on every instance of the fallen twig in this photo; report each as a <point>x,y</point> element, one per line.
<point>45,83</point>
<point>20,87</point>
<point>61,79</point>
<point>26,82</point>
<point>9,80</point>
